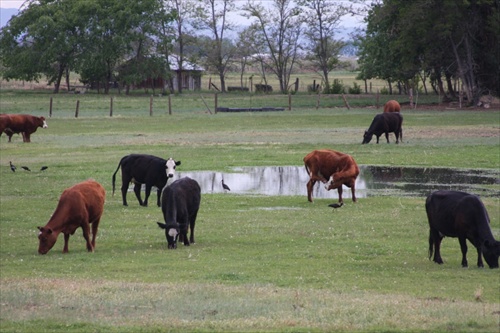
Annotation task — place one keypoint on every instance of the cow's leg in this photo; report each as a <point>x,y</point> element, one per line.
<point>387,136</point>
<point>184,228</point>
<point>147,194</point>
<point>437,238</point>
<point>378,137</point>
<point>463,247</point>
<point>125,182</point>
<point>86,235</point>
<point>27,136</point>
<point>137,191</point>
<point>310,185</point>
<point>95,225</point>
<point>158,196</point>
<point>353,192</point>
<point>397,136</point>
<point>191,226</point>
<point>339,191</point>
<point>66,239</point>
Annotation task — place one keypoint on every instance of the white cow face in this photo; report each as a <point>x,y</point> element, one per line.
<point>44,124</point>
<point>329,183</point>
<point>170,167</point>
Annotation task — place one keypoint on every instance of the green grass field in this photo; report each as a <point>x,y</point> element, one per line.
<point>260,263</point>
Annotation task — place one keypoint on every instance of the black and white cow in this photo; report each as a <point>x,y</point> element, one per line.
<point>385,123</point>
<point>461,215</point>
<point>144,169</point>
<point>180,203</point>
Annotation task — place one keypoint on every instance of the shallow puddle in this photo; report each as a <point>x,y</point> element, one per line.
<point>372,181</point>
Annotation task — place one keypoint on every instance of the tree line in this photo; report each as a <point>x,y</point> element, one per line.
<point>410,44</point>
<point>413,43</point>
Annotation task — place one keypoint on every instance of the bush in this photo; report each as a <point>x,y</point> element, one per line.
<point>356,89</point>
<point>337,87</point>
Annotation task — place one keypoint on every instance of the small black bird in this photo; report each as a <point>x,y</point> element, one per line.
<point>43,168</point>
<point>224,186</point>
<point>25,168</point>
<point>336,205</point>
<point>12,167</point>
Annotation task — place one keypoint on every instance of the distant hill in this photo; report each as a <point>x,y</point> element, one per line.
<point>6,14</point>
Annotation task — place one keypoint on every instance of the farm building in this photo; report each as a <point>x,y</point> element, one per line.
<point>190,77</point>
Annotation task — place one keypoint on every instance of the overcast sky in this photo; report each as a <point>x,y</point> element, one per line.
<point>348,21</point>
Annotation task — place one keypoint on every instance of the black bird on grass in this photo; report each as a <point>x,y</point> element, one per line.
<point>43,168</point>
<point>224,186</point>
<point>12,167</point>
<point>336,205</point>
<point>25,168</point>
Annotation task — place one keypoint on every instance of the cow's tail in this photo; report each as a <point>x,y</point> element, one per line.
<point>114,176</point>
<point>431,246</point>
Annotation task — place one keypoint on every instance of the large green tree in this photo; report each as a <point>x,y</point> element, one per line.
<point>451,39</point>
<point>91,37</point>
<point>43,39</point>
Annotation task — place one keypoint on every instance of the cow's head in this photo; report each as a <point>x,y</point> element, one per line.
<point>172,232</point>
<point>491,252</point>
<point>170,167</point>
<point>47,239</point>
<point>44,123</point>
<point>367,137</point>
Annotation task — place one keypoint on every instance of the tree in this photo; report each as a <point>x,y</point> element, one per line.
<point>212,16</point>
<point>321,18</point>
<point>43,39</point>
<point>454,39</point>
<point>280,28</point>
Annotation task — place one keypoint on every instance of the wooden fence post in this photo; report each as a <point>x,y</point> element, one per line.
<point>411,98</point>
<point>345,102</point>
<point>77,108</point>
<point>317,101</point>
<point>289,102</point>
<point>50,108</point>
<point>151,106</point>
<point>378,98</point>
<point>111,106</point>
<point>215,102</point>
<point>169,104</point>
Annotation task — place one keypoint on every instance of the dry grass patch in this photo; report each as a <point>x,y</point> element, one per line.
<point>232,307</point>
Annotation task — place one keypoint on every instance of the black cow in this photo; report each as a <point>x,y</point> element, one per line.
<point>385,123</point>
<point>180,203</point>
<point>144,169</point>
<point>462,215</point>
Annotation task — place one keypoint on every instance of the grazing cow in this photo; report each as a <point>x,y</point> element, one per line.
<point>392,106</point>
<point>461,215</point>
<point>332,168</point>
<point>81,205</point>
<point>144,169</point>
<point>385,123</point>
<point>21,123</point>
<point>180,203</point>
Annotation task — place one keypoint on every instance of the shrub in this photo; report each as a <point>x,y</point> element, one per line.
<point>355,89</point>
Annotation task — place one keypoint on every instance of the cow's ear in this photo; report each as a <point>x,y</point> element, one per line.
<point>40,228</point>
<point>178,163</point>
<point>162,225</point>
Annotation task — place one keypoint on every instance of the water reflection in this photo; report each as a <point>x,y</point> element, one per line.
<point>372,181</point>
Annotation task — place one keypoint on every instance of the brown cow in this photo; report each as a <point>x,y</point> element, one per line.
<point>21,123</point>
<point>79,206</point>
<point>392,106</point>
<point>332,168</point>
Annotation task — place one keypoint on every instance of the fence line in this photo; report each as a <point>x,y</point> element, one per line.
<point>86,105</point>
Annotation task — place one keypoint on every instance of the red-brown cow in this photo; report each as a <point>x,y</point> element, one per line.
<point>332,168</point>
<point>392,106</point>
<point>81,205</point>
<point>21,123</point>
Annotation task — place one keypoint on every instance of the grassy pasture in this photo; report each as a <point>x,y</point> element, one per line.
<point>260,263</point>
